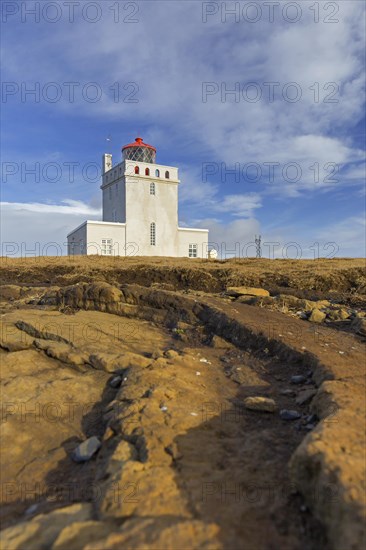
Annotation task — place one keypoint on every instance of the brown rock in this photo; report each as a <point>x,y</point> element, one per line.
<point>43,530</point>
<point>305,396</point>
<point>10,292</point>
<point>246,290</point>
<point>264,404</point>
<point>76,535</point>
<point>359,325</point>
<point>317,316</point>
<point>161,533</point>
<point>338,314</point>
<point>329,467</point>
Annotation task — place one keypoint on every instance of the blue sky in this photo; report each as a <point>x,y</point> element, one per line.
<point>173,61</point>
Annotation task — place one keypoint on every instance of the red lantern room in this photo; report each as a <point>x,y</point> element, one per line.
<point>139,151</point>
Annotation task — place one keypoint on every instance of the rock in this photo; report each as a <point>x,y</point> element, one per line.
<point>115,382</point>
<point>219,343</point>
<point>307,305</point>
<point>171,354</point>
<point>305,396</point>
<point>288,300</point>
<point>301,315</point>
<point>286,414</point>
<point>10,292</point>
<point>42,530</point>
<point>246,290</point>
<point>264,404</point>
<point>86,449</point>
<point>161,532</point>
<point>298,379</point>
<point>312,419</point>
<point>112,362</point>
<point>251,300</point>
<point>338,315</point>
<point>317,316</point>
<point>287,392</point>
<point>31,510</point>
<point>322,303</point>
<point>80,533</point>
<point>359,325</point>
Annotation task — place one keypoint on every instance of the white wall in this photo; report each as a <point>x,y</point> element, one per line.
<point>114,201</point>
<point>142,209</point>
<point>76,241</point>
<point>93,232</point>
<point>192,236</point>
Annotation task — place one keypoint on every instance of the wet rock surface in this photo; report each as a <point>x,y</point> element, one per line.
<point>182,462</point>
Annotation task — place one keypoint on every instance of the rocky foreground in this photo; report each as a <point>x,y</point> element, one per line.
<point>153,416</point>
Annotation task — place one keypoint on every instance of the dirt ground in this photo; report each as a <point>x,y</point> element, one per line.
<point>183,463</point>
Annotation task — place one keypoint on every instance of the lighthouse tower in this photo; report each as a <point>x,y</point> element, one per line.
<point>140,211</point>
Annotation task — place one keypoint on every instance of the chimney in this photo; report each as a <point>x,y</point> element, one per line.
<point>106,162</point>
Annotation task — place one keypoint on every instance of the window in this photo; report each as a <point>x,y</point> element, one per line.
<point>157,173</point>
<point>152,234</point>
<point>152,188</point>
<point>192,251</point>
<point>117,190</point>
<point>106,247</point>
<point>147,171</point>
<point>137,170</point>
<point>114,215</point>
<point>167,175</point>
<point>110,193</point>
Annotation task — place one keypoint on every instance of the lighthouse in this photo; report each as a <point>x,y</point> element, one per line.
<point>140,211</point>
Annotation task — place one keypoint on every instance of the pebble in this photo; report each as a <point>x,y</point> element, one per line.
<point>115,382</point>
<point>312,418</point>
<point>164,408</point>
<point>298,379</point>
<point>287,392</point>
<point>309,427</point>
<point>264,404</point>
<point>305,396</point>
<point>31,510</point>
<point>286,414</point>
<point>86,449</point>
<point>198,373</point>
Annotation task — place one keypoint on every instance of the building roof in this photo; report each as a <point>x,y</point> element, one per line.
<point>138,143</point>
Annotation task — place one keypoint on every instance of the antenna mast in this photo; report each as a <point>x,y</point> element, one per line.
<point>258,246</point>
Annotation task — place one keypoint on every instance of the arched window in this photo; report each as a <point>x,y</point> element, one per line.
<point>167,175</point>
<point>147,171</point>
<point>157,173</point>
<point>152,188</point>
<point>152,234</point>
<point>137,170</point>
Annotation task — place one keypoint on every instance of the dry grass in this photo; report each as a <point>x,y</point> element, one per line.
<point>323,275</point>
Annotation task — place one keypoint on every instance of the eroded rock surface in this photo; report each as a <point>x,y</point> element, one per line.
<point>182,462</point>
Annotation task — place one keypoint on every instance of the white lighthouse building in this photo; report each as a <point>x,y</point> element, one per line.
<point>140,211</point>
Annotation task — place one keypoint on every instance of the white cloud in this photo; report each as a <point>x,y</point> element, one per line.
<point>68,207</point>
<point>31,228</point>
